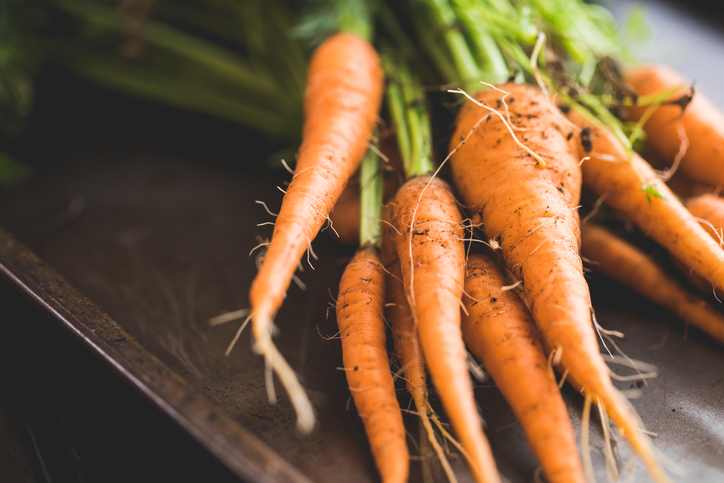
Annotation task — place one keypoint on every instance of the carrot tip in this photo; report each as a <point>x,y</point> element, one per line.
<point>288,378</point>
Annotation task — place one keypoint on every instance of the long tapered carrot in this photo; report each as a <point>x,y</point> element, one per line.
<point>623,262</point>
<point>633,188</point>
<point>530,212</point>
<point>341,104</point>
<point>432,259</point>
<point>500,331</point>
<point>410,357</point>
<point>702,123</point>
<point>429,244</point>
<point>360,317</point>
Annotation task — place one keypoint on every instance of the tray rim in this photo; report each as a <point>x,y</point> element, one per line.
<point>233,445</point>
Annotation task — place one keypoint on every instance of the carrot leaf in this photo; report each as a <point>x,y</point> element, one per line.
<point>652,192</point>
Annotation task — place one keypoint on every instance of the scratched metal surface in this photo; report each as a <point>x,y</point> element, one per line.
<point>161,244</point>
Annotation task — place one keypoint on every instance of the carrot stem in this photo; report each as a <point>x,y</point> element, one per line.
<point>410,115</point>
<point>371,193</point>
<point>444,17</point>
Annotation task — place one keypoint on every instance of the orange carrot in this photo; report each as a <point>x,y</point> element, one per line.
<point>500,331</point>
<point>530,211</point>
<point>341,104</point>
<point>360,317</point>
<point>661,216</point>
<point>631,267</point>
<point>409,354</point>
<point>702,123</point>
<point>430,248</point>
<point>710,208</point>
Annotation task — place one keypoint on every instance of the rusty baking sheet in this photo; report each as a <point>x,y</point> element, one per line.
<point>161,244</point>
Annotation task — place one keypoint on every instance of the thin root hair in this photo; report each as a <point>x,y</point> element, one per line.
<point>238,334</point>
<point>228,317</point>
<point>536,156</point>
<point>329,337</point>
<point>286,166</point>
<point>259,202</point>
<point>683,147</point>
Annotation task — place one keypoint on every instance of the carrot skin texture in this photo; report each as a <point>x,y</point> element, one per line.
<point>360,317</point>
<point>433,281</point>
<point>665,219</point>
<point>626,264</point>
<point>500,331</point>
<point>341,105</point>
<point>342,99</point>
<point>710,208</point>
<point>405,338</point>
<point>530,211</point>
<point>703,124</point>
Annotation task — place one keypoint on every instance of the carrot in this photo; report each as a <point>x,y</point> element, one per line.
<point>500,331</point>
<point>341,104</point>
<point>530,212</point>
<point>634,189</point>
<point>429,244</point>
<point>709,208</point>
<point>626,264</point>
<point>411,359</point>
<point>432,259</point>
<point>360,317</point>
<point>702,122</point>
<point>361,321</point>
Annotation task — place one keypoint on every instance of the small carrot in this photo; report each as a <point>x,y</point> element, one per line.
<point>361,321</point>
<point>429,243</point>
<point>341,104</point>
<point>626,264</point>
<point>411,360</point>
<point>530,212</point>
<point>633,188</point>
<point>702,123</point>
<point>360,317</point>
<point>500,331</point>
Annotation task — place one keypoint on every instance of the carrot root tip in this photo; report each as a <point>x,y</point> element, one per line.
<point>276,362</point>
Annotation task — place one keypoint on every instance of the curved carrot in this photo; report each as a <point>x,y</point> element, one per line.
<point>662,217</point>
<point>500,331</point>
<point>530,212</point>
<point>360,317</point>
<point>621,261</point>
<point>341,104</point>
<point>703,124</point>
<point>430,248</point>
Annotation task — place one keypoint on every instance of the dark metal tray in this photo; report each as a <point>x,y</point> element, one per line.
<point>145,248</point>
<point>161,245</point>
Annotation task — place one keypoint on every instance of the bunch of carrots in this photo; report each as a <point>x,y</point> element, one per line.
<point>482,248</point>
